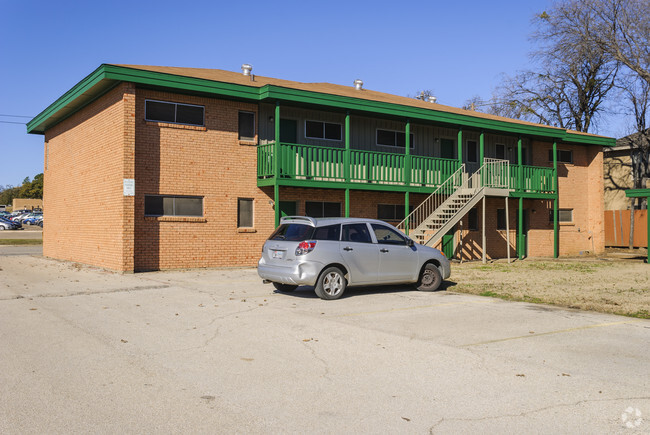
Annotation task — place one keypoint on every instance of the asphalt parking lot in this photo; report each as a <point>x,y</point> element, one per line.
<point>86,350</point>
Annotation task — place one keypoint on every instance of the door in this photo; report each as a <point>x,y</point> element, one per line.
<point>288,130</point>
<point>359,253</point>
<point>397,261</point>
<point>448,243</point>
<point>288,208</point>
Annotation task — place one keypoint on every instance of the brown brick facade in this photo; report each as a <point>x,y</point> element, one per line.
<point>89,220</point>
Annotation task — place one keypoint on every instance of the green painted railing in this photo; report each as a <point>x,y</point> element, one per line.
<point>317,163</point>
<point>533,179</point>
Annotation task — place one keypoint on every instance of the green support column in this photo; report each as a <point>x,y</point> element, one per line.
<point>460,146</point>
<point>346,163</point>
<point>276,166</point>
<point>642,193</point>
<point>556,233</point>
<point>520,212</point>
<point>407,173</point>
<point>481,149</point>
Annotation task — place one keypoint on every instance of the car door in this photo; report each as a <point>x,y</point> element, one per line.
<point>361,256</point>
<point>398,262</point>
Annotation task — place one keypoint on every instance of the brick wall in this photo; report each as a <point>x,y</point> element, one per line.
<point>82,197</point>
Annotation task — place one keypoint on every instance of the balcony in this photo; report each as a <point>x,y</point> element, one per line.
<point>328,167</point>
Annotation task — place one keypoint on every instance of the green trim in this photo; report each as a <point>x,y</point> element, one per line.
<point>460,146</point>
<point>637,193</point>
<point>106,75</point>
<point>276,165</point>
<point>481,149</point>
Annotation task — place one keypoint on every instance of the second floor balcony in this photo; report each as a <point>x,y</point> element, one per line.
<point>329,167</point>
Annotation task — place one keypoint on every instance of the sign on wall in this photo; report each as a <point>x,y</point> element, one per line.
<point>129,187</point>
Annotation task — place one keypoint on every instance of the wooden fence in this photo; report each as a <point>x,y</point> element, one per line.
<point>617,228</point>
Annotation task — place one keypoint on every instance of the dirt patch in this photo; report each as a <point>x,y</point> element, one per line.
<point>606,285</point>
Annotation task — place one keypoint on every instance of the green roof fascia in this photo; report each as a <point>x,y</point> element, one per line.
<point>109,74</point>
<point>106,75</point>
<point>274,92</point>
<point>638,193</point>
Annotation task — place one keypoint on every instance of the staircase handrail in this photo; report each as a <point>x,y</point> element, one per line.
<point>432,202</point>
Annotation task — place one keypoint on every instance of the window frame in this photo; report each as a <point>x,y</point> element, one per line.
<point>559,220</point>
<point>323,138</point>
<point>412,135</point>
<point>175,112</point>
<point>402,240</point>
<point>395,214</point>
<point>174,197</point>
<point>550,156</point>
<point>246,139</point>
<point>475,142</point>
<point>252,218</point>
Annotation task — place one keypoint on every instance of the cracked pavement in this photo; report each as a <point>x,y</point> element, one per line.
<point>87,350</point>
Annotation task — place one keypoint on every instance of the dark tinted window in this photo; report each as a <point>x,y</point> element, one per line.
<point>159,111</point>
<point>189,114</point>
<point>319,209</point>
<point>393,138</point>
<point>173,112</point>
<point>332,131</point>
<point>314,129</point>
<point>292,232</point>
<point>158,205</point>
<point>246,126</point>
<point>356,233</point>
<point>391,212</point>
<point>387,236</point>
<point>329,232</point>
<point>563,156</point>
<point>244,212</point>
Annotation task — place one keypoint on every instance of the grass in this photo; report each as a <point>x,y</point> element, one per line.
<point>20,242</point>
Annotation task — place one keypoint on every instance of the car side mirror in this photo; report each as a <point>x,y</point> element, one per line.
<point>410,243</point>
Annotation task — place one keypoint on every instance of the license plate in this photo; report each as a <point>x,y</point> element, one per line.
<point>277,254</point>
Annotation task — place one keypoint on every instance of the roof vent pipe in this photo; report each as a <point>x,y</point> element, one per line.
<point>432,99</point>
<point>246,69</point>
<point>358,84</point>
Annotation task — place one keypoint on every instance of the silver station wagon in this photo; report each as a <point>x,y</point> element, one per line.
<point>333,253</point>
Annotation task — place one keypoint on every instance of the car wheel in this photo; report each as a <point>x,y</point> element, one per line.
<point>284,287</point>
<point>2,228</point>
<point>331,284</point>
<point>430,278</point>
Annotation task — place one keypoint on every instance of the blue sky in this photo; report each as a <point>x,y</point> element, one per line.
<point>458,49</point>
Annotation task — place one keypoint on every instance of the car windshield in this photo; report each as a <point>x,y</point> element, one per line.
<point>292,232</point>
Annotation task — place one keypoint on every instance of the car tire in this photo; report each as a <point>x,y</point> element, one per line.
<point>331,284</point>
<point>284,287</point>
<point>430,278</point>
<point>2,228</point>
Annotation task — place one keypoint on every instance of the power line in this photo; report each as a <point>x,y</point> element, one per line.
<point>16,116</point>
<point>13,122</point>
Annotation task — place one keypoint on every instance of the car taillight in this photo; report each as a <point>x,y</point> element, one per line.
<point>305,247</point>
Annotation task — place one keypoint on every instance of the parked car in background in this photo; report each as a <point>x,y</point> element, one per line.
<point>32,219</point>
<point>334,253</point>
<point>7,222</point>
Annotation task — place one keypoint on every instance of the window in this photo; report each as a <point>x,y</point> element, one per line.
<point>472,220</point>
<point>564,215</point>
<point>158,205</point>
<point>501,219</point>
<point>391,212</point>
<point>447,148</point>
<point>356,233</point>
<point>387,236</point>
<point>392,138</point>
<point>472,151</point>
<point>244,212</point>
<point>323,130</point>
<point>319,209</point>
<point>563,156</point>
<point>329,232</point>
<point>500,151</point>
<point>175,113</point>
<point>247,126</point>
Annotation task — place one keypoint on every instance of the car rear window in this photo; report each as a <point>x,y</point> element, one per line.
<point>329,232</point>
<point>292,232</point>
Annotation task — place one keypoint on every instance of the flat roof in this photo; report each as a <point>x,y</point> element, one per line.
<point>228,84</point>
